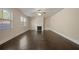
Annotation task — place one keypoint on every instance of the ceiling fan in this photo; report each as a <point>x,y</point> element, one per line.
<point>40,11</point>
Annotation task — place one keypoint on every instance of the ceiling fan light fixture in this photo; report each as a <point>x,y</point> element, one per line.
<point>39,14</point>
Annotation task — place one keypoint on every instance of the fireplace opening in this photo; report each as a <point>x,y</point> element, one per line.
<point>39,28</point>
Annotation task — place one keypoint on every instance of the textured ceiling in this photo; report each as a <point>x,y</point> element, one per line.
<point>31,11</point>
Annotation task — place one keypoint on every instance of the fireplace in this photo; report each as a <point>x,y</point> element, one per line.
<point>39,28</point>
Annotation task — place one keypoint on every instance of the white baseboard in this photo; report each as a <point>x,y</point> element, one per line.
<point>71,39</point>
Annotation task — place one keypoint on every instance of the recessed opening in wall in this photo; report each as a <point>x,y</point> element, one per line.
<point>23,20</point>
<point>39,28</point>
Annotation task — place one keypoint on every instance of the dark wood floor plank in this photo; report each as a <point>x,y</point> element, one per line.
<point>32,40</point>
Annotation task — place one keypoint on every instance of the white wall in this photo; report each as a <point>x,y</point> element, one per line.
<point>17,29</point>
<point>66,23</point>
<point>36,21</point>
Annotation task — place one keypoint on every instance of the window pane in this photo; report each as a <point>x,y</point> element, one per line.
<point>1,15</point>
<point>6,14</point>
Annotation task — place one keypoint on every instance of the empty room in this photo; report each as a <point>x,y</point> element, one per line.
<point>39,28</point>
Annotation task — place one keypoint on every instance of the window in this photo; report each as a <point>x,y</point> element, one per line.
<point>6,15</point>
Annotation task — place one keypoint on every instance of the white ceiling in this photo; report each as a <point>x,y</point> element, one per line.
<point>31,11</point>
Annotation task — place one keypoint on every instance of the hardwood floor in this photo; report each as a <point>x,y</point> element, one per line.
<point>32,40</point>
